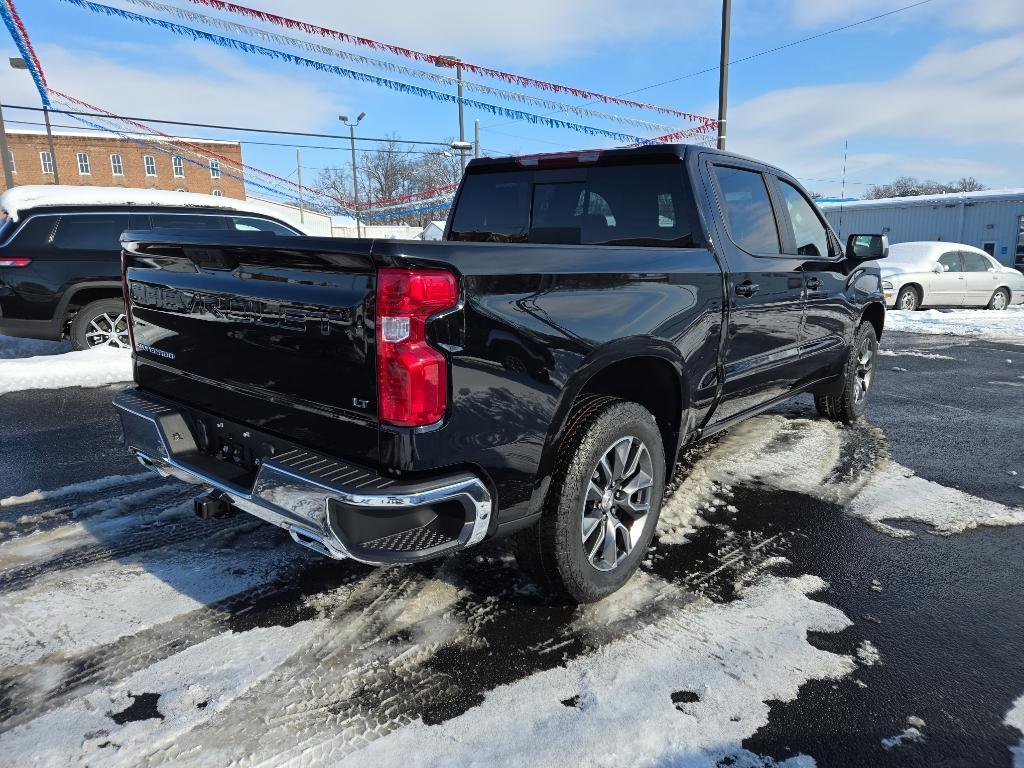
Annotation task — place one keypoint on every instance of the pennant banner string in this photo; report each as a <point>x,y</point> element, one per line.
<point>508,77</point>
<point>194,17</point>
<point>240,45</point>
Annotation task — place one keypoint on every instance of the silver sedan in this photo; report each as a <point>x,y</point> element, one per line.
<point>937,274</point>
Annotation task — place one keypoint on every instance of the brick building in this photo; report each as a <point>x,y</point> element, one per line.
<point>96,158</point>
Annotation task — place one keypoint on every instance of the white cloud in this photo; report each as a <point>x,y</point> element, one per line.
<point>526,32</point>
<point>960,99</point>
<point>981,15</point>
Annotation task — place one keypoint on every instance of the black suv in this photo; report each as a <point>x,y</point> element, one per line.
<point>60,265</point>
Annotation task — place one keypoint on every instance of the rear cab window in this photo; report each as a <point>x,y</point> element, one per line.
<point>639,204</point>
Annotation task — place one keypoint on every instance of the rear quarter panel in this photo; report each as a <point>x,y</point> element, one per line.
<point>537,322</point>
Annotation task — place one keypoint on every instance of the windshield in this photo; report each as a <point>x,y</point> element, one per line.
<point>637,204</point>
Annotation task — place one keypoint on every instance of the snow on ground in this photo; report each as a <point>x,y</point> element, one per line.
<point>88,368</point>
<point>100,484</point>
<point>192,687</point>
<point>913,353</point>
<point>895,493</point>
<point>1007,325</point>
<point>1015,719</point>
<point>12,346</point>
<point>722,662</point>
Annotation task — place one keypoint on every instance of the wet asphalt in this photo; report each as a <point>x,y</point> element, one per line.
<point>946,614</point>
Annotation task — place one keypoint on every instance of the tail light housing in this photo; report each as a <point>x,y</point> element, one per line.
<point>16,261</point>
<point>127,299</point>
<point>412,376</point>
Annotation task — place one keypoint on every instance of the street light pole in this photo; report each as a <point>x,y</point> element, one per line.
<point>6,152</point>
<point>355,170</point>
<point>723,72</point>
<point>455,61</point>
<point>17,62</point>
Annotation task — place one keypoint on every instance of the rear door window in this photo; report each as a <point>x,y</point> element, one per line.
<point>633,205</point>
<point>748,210</point>
<point>90,232</point>
<point>256,224</point>
<point>950,261</point>
<point>975,262</point>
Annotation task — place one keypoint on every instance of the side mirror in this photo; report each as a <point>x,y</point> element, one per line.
<point>938,268</point>
<point>867,247</point>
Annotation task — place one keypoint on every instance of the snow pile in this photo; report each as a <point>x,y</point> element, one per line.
<point>913,353</point>
<point>895,493</point>
<point>88,368</point>
<point>978,323</point>
<point>696,680</point>
<point>1015,719</point>
<point>13,346</point>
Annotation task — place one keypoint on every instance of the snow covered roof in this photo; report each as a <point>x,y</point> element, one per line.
<point>18,199</point>
<point>952,198</point>
<point>115,136</point>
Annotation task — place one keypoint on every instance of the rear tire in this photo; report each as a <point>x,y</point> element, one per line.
<point>603,505</point>
<point>908,299</point>
<point>1000,300</point>
<point>100,324</point>
<point>848,405</point>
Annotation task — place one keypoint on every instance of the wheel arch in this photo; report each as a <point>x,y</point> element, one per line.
<point>77,296</point>
<point>640,370</point>
<point>874,313</point>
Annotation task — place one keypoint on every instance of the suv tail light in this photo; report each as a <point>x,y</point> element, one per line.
<point>18,261</point>
<point>412,376</point>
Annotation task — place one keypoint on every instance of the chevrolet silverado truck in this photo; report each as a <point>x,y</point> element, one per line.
<point>534,373</point>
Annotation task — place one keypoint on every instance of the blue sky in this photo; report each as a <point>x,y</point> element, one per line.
<point>936,91</point>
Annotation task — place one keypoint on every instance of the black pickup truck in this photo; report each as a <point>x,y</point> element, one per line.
<point>536,372</point>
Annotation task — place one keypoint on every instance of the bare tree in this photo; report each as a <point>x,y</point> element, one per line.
<point>910,186</point>
<point>336,183</point>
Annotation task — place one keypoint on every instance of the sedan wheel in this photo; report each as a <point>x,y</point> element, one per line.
<point>907,299</point>
<point>1000,300</point>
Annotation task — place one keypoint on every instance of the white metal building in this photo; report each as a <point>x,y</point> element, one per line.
<point>433,231</point>
<point>992,220</point>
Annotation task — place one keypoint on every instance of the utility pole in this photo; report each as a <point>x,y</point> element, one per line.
<point>298,178</point>
<point>476,138</point>
<point>5,151</point>
<point>355,169</point>
<point>723,72</point>
<point>455,61</point>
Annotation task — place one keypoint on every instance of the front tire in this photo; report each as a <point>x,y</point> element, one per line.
<point>908,299</point>
<point>848,405</point>
<point>601,511</point>
<point>100,324</point>
<point>1000,300</point>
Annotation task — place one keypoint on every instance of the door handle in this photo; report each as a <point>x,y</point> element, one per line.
<point>813,283</point>
<point>747,289</point>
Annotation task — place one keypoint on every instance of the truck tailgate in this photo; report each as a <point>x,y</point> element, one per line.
<point>261,329</point>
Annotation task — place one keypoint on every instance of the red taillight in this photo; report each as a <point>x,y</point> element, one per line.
<point>412,377</point>
<point>18,261</point>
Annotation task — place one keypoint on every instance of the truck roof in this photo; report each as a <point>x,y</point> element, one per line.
<point>598,155</point>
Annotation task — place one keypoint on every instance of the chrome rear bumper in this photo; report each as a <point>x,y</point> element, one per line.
<point>312,495</point>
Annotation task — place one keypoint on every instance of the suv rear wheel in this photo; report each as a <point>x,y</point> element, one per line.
<point>604,502</point>
<point>100,324</point>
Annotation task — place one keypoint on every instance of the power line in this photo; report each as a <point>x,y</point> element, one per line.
<point>240,141</point>
<point>766,51</point>
<point>226,127</point>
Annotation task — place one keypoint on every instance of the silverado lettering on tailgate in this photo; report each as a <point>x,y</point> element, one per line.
<point>236,309</point>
